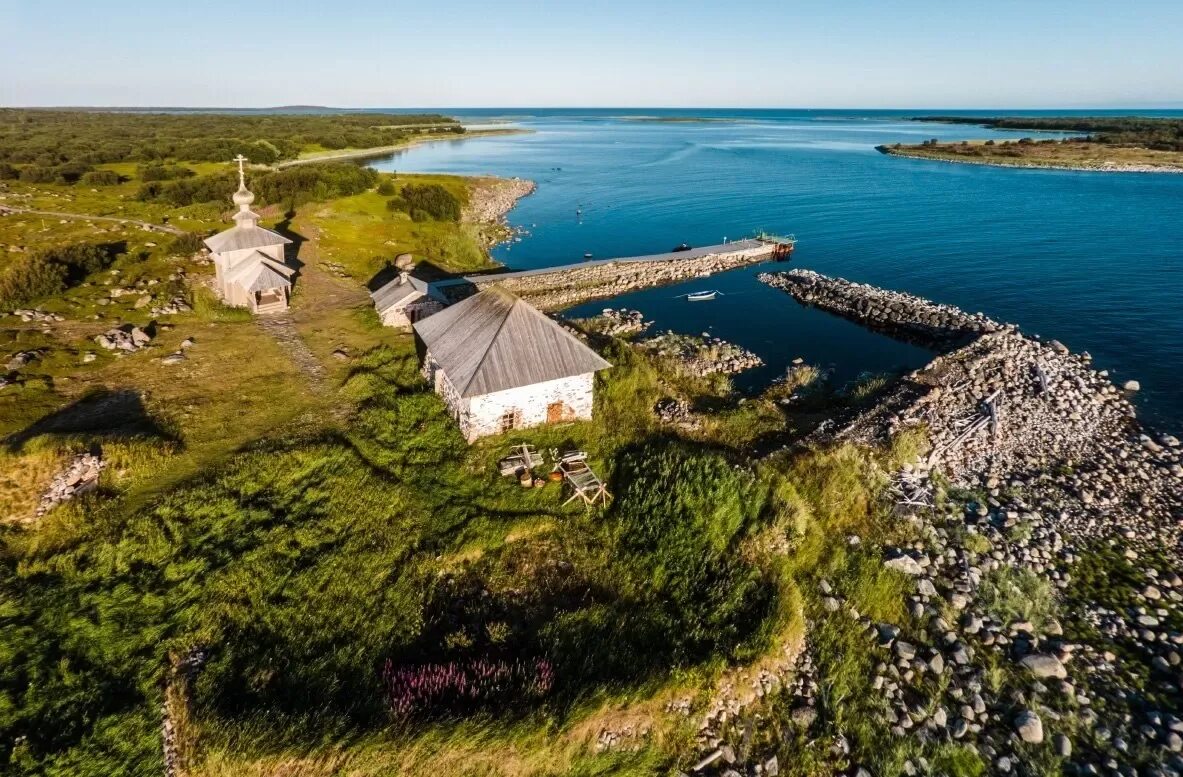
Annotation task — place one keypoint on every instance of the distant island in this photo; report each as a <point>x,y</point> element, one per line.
<point>1105,144</point>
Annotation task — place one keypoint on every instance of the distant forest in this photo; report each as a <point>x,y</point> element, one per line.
<point>1144,132</point>
<point>62,146</point>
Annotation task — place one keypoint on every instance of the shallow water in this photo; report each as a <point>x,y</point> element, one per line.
<point>1092,259</point>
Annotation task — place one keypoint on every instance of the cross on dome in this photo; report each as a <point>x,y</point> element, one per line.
<point>240,159</point>
<point>243,197</point>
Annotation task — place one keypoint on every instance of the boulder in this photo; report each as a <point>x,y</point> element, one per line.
<point>905,564</point>
<point>1044,666</point>
<point>1029,727</point>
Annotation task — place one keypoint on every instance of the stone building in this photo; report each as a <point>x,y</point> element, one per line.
<point>405,300</point>
<point>250,262</point>
<point>500,364</point>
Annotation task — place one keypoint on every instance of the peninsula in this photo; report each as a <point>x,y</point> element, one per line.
<point>1103,144</point>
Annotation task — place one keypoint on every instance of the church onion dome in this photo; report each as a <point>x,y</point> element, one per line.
<point>243,198</point>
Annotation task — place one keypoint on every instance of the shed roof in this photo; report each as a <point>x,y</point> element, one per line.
<point>244,236</point>
<point>400,292</point>
<point>494,341</point>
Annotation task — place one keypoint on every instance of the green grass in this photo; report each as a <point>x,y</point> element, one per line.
<point>361,235</point>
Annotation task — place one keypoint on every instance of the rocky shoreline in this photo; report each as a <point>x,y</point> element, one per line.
<point>1100,167</point>
<point>701,356</point>
<point>1044,608</point>
<point>493,198</point>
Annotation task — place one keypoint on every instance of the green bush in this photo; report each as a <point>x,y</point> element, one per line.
<point>386,187</point>
<point>51,271</point>
<point>37,174</point>
<point>188,243</point>
<point>434,200</point>
<point>9,172</point>
<point>157,172</point>
<point>101,178</point>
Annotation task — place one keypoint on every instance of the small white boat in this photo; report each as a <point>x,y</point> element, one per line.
<point>702,296</point>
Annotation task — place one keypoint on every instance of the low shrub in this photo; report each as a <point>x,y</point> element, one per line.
<point>188,243</point>
<point>460,685</point>
<point>433,200</point>
<point>52,270</point>
<point>101,178</point>
<point>156,172</point>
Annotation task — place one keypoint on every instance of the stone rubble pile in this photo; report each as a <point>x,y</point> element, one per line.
<point>676,412</point>
<point>701,356</point>
<point>174,306</point>
<point>616,323</point>
<point>123,338</point>
<point>36,314</point>
<point>23,358</point>
<point>1060,429</point>
<point>80,476</point>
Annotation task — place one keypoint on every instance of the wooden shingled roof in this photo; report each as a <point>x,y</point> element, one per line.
<point>244,236</point>
<point>494,341</point>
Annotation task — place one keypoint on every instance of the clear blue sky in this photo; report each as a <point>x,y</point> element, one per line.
<point>757,53</point>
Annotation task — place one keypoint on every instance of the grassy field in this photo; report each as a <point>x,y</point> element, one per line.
<point>1047,153</point>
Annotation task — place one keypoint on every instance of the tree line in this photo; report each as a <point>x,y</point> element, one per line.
<point>1160,134</point>
<point>62,146</point>
<point>292,186</point>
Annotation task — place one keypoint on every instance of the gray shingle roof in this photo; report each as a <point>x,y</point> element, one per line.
<point>398,292</point>
<point>244,236</point>
<point>494,341</point>
<point>266,278</point>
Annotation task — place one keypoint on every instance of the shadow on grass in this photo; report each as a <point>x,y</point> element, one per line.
<point>103,413</point>
<point>292,252</point>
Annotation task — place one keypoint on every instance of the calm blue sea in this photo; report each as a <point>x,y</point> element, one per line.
<point>1092,259</point>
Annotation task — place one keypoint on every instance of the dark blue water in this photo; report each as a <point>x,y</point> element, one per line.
<point>1092,259</point>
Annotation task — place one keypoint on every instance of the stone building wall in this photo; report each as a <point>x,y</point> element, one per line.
<point>419,309</point>
<point>530,404</point>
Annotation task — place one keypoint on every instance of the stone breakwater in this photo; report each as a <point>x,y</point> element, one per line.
<point>1041,535</point>
<point>573,284</point>
<point>1010,406</point>
<point>902,315</point>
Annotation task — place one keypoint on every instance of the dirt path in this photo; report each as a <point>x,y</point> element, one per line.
<point>281,327</point>
<point>8,210</point>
